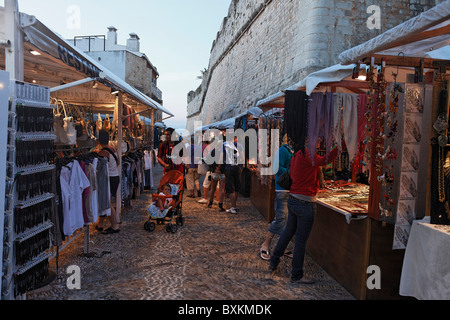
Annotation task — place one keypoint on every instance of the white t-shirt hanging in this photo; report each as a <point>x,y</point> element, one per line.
<point>147,160</point>
<point>73,183</point>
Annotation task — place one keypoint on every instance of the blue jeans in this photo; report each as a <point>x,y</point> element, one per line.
<point>300,222</point>
<point>281,213</point>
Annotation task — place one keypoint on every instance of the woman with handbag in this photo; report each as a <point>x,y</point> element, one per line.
<point>305,175</point>
<point>283,157</point>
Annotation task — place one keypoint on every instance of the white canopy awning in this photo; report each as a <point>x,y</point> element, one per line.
<point>230,123</point>
<point>420,37</point>
<point>60,62</point>
<point>331,74</point>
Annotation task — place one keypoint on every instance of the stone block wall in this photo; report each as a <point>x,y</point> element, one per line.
<point>264,46</point>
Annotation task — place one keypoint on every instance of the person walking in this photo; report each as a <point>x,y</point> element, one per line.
<point>283,159</point>
<point>302,209</point>
<point>234,153</point>
<point>192,176</point>
<point>217,174</point>
<point>207,179</point>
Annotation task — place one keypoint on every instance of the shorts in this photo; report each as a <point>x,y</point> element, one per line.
<point>207,181</point>
<point>217,176</point>
<point>192,177</point>
<point>114,185</point>
<point>232,179</point>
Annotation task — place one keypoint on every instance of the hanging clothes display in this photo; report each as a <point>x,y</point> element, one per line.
<point>338,105</point>
<point>350,117</point>
<point>73,183</point>
<point>296,117</point>
<point>320,120</point>
<point>148,169</point>
<point>103,191</point>
<point>92,196</point>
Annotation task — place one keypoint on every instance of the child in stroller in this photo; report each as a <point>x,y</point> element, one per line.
<point>167,204</point>
<point>163,204</point>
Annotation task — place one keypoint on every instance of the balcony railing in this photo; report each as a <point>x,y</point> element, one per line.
<point>156,92</point>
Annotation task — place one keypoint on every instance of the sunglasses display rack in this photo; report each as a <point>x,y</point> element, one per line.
<point>30,191</point>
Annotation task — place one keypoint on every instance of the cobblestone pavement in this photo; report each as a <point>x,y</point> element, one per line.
<point>214,256</point>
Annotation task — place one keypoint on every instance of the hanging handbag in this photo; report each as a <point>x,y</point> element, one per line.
<point>61,135</point>
<point>285,180</point>
<point>69,127</point>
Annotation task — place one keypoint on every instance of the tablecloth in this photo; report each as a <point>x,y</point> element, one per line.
<point>426,267</point>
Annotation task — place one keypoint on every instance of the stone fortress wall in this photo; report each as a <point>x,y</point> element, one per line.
<point>264,46</point>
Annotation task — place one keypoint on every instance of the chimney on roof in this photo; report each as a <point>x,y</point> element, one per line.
<point>111,38</point>
<point>133,43</point>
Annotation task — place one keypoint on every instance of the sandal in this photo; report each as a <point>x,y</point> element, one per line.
<point>111,231</point>
<point>289,254</point>
<point>99,229</point>
<point>266,253</point>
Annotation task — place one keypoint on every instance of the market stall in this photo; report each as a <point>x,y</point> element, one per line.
<point>420,45</point>
<point>405,85</point>
<point>245,121</point>
<point>52,81</point>
<point>262,191</point>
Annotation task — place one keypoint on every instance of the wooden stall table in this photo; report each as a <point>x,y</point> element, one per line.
<point>262,196</point>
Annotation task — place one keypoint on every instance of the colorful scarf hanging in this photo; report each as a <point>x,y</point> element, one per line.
<point>350,117</point>
<point>337,118</point>
<point>320,121</point>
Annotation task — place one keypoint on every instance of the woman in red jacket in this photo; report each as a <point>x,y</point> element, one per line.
<point>302,209</point>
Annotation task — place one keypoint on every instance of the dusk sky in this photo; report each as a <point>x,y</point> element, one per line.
<point>176,35</point>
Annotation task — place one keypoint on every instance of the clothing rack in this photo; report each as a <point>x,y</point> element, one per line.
<point>86,229</point>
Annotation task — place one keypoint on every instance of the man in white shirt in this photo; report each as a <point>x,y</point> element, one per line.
<point>234,155</point>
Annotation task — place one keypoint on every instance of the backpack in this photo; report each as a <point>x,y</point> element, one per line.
<point>113,154</point>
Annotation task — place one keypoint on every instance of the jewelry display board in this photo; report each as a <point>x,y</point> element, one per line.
<point>351,199</point>
<point>30,190</point>
<point>413,151</point>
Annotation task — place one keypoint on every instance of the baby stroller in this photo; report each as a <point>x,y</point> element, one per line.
<point>172,216</point>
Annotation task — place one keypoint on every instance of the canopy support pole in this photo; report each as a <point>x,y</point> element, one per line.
<point>14,57</point>
<point>119,106</point>
<point>70,85</point>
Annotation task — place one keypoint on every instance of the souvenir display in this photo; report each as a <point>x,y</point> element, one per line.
<point>389,156</point>
<point>413,100</point>
<point>30,200</point>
